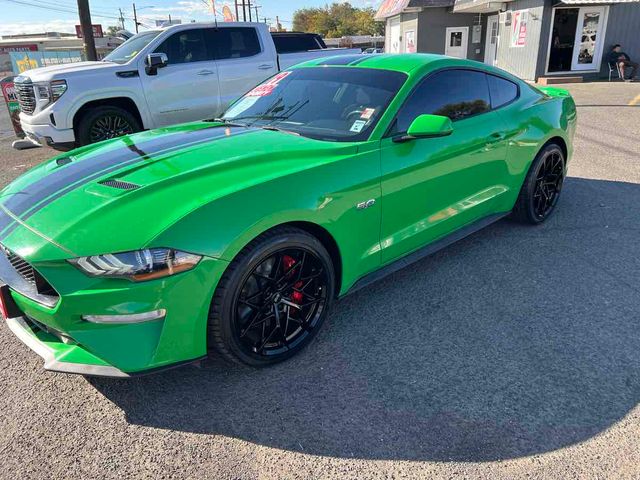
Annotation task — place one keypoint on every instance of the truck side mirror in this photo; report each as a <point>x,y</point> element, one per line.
<point>155,61</point>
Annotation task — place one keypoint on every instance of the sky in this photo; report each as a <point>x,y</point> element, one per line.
<point>32,16</point>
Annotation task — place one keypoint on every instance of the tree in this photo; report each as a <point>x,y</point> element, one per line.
<point>337,20</point>
<point>112,30</point>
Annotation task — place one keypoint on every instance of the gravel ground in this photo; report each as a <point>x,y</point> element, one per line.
<point>514,353</point>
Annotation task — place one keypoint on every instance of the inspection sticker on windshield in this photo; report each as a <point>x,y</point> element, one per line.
<point>358,125</point>
<point>267,88</point>
<point>367,113</point>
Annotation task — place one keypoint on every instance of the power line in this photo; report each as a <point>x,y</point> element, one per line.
<point>58,8</point>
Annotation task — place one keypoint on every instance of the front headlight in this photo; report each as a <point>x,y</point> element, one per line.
<point>50,92</point>
<point>139,265</point>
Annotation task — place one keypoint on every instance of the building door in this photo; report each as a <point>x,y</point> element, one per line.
<point>394,35</point>
<point>491,42</point>
<point>587,50</point>
<point>456,42</point>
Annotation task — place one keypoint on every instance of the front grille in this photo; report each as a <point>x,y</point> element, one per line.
<point>33,285</point>
<point>26,97</point>
<point>20,265</point>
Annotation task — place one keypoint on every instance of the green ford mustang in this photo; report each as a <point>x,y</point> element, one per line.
<point>234,236</point>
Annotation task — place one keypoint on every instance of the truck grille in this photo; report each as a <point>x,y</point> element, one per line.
<point>26,97</point>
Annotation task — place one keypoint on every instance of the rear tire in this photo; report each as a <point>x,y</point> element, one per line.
<point>103,123</point>
<point>542,186</point>
<point>272,299</point>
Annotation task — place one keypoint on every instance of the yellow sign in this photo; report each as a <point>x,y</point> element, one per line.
<point>26,64</point>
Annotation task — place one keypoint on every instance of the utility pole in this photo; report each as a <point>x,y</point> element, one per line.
<point>121,18</point>
<point>87,30</point>
<point>256,7</point>
<point>237,16</point>
<point>249,1</point>
<point>169,19</point>
<point>135,17</point>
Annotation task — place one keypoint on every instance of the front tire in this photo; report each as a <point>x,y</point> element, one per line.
<point>103,123</point>
<point>542,186</point>
<point>272,299</point>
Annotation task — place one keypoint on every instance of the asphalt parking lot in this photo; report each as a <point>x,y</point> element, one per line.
<point>513,353</point>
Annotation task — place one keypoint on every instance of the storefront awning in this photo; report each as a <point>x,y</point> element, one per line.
<point>391,8</point>
<point>478,6</point>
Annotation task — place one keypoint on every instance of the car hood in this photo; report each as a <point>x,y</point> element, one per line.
<point>120,194</point>
<point>67,70</point>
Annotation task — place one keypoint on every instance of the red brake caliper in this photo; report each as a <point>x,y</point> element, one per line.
<point>289,263</point>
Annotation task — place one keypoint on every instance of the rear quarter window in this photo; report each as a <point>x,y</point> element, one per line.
<point>502,91</point>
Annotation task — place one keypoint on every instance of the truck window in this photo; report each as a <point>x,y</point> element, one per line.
<point>185,47</point>
<point>234,42</point>
<point>296,43</point>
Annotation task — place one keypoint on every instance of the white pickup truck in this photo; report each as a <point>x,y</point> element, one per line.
<point>159,77</point>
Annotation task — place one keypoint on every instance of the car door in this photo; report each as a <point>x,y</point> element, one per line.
<point>187,88</point>
<point>242,61</point>
<point>433,186</point>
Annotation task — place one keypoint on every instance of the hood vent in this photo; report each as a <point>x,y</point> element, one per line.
<point>119,184</point>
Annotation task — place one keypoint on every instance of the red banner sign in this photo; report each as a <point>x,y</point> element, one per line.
<point>18,48</point>
<point>11,99</point>
<point>97,31</point>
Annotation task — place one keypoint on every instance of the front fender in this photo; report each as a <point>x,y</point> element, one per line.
<point>325,196</point>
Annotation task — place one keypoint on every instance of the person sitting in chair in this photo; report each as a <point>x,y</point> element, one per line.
<point>621,60</point>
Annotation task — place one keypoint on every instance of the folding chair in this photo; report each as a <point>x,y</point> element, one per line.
<point>615,66</point>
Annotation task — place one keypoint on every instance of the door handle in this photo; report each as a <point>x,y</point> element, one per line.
<point>265,66</point>
<point>496,137</point>
<point>205,72</point>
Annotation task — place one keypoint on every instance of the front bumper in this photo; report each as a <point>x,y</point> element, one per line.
<point>47,135</point>
<point>70,344</point>
<point>58,356</point>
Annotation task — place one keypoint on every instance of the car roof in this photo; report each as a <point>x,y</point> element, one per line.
<point>404,62</point>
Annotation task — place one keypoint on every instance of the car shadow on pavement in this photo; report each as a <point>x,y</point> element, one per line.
<point>515,341</point>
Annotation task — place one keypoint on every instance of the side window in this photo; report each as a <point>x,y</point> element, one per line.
<point>235,43</point>
<point>456,94</point>
<point>502,91</point>
<point>185,47</point>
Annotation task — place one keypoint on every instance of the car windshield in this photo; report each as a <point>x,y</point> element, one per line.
<point>131,47</point>
<point>326,103</point>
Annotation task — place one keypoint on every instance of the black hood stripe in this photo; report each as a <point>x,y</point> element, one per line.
<point>76,174</point>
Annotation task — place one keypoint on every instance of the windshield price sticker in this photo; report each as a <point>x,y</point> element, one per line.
<point>358,125</point>
<point>267,88</point>
<point>367,113</point>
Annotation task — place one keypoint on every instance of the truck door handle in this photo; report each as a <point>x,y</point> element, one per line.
<point>265,66</point>
<point>205,72</point>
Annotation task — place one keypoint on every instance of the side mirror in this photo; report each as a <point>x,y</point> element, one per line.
<point>427,126</point>
<point>155,61</point>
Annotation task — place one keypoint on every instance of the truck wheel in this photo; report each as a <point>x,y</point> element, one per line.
<point>103,123</point>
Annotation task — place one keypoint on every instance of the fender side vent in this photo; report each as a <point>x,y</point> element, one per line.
<point>119,184</point>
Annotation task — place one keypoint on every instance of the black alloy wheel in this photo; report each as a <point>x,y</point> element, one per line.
<point>549,180</point>
<point>542,186</point>
<point>280,302</point>
<point>105,122</point>
<point>109,126</point>
<point>273,298</point>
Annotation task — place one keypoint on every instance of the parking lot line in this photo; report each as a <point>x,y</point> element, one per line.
<point>635,101</point>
